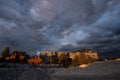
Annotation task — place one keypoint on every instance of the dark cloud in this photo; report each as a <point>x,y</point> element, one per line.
<point>55,25</point>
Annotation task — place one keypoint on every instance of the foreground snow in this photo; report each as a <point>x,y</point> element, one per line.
<point>23,72</point>
<point>106,70</point>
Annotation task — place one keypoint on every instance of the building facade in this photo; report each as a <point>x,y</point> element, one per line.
<point>84,53</point>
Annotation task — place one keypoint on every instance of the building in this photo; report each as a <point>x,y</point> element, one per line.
<point>47,53</point>
<point>84,53</point>
<point>92,54</point>
<point>34,60</point>
<point>72,55</point>
<point>47,56</point>
<point>61,53</point>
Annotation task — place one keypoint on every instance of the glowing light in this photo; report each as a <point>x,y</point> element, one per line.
<point>83,66</point>
<point>38,53</point>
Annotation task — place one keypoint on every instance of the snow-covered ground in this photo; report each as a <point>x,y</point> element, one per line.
<point>23,72</point>
<point>105,70</point>
<point>52,70</point>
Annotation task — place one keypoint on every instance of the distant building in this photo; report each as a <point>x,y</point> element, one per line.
<point>92,54</point>
<point>61,53</point>
<point>47,53</point>
<point>46,56</point>
<point>34,60</point>
<point>87,54</point>
<point>72,55</point>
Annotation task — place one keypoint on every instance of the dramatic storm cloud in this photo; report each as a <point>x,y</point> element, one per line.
<point>60,25</point>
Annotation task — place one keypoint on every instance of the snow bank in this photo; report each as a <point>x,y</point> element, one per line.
<point>109,69</point>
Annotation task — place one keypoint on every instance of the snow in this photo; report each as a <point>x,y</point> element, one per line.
<point>23,72</point>
<point>105,70</point>
<point>34,74</point>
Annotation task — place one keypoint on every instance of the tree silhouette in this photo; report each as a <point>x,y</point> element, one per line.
<point>5,52</point>
<point>54,59</point>
<point>66,62</point>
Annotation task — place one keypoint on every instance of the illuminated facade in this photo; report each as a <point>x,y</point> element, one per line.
<point>87,54</point>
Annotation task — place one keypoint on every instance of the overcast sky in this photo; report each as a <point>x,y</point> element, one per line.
<point>60,25</point>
